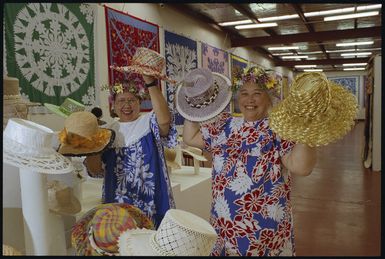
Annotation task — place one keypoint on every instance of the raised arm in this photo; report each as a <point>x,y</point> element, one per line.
<point>301,160</point>
<point>192,135</point>
<point>159,106</point>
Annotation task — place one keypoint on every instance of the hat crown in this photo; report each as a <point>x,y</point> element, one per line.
<point>150,58</point>
<point>88,126</point>
<point>309,94</point>
<point>36,138</point>
<point>183,233</point>
<point>10,86</point>
<point>70,106</point>
<point>197,82</point>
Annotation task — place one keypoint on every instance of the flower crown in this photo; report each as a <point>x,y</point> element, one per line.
<point>257,75</point>
<point>132,87</point>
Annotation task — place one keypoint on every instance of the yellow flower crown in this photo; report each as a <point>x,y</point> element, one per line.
<point>117,88</point>
<point>257,75</point>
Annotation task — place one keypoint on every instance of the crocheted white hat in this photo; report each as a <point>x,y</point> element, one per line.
<point>179,233</point>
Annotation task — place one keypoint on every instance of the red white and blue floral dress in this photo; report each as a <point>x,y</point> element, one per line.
<point>251,208</point>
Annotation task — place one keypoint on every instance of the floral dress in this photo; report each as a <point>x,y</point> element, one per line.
<point>135,167</point>
<point>251,209</point>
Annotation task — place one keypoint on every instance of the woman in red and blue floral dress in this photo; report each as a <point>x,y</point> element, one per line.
<point>251,208</point>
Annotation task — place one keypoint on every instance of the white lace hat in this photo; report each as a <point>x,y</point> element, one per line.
<point>28,145</point>
<point>179,233</point>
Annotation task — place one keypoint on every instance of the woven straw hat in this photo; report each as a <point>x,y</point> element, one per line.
<point>83,136</point>
<point>66,108</point>
<point>11,92</point>
<point>203,95</point>
<point>9,250</point>
<point>146,61</point>
<point>28,145</point>
<point>180,233</point>
<point>316,112</point>
<point>170,155</point>
<point>98,230</point>
<point>61,199</point>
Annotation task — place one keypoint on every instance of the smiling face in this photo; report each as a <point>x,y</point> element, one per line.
<point>253,101</point>
<point>126,106</point>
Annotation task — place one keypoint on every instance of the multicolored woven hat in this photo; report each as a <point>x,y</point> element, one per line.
<point>203,95</point>
<point>83,136</point>
<point>316,112</point>
<point>148,62</point>
<point>180,233</point>
<point>98,230</point>
<point>66,108</point>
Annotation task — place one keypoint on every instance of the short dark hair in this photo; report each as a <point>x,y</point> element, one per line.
<point>97,112</point>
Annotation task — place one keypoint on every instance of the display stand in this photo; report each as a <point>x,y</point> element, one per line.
<point>43,231</point>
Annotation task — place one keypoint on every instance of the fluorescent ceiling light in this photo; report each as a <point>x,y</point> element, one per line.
<point>235,22</point>
<point>354,64</point>
<point>369,49</point>
<point>340,50</point>
<point>354,68</point>
<point>282,54</point>
<point>335,11</point>
<point>312,58</point>
<point>294,57</point>
<point>299,66</point>
<point>256,25</point>
<point>311,52</point>
<point>369,7</point>
<point>313,70</point>
<point>356,53</point>
<point>354,43</point>
<point>278,18</point>
<point>350,16</point>
<point>283,48</point>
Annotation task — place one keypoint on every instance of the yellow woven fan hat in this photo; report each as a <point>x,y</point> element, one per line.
<point>316,112</point>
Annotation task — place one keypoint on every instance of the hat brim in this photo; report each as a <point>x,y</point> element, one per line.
<point>20,101</point>
<point>136,242</point>
<point>55,109</point>
<point>53,163</point>
<point>140,69</point>
<point>210,111</point>
<point>322,129</point>
<point>68,150</point>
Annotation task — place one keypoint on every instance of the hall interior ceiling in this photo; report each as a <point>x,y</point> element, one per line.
<point>313,36</point>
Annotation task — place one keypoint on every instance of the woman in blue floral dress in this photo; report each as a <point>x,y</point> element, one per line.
<point>251,209</point>
<point>134,166</point>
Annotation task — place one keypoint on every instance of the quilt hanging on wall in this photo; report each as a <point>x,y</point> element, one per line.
<point>125,33</point>
<point>50,49</point>
<point>216,60</point>
<point>237,63</point>
<point>181,57</point>
<point>351,83</point>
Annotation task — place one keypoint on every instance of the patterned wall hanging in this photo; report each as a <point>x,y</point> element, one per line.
<point>351,83</point>
<point>237,63</point>
<point>125,33</point>
<point>216,60</point>
<point>181,57</point>
<point>50,49</point>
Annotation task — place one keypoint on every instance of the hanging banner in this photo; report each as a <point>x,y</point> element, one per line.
<point>237,63</point>
<point>214,59</point>
<point>50,49</point>
<point>181,57</point>
<point>125,33</point>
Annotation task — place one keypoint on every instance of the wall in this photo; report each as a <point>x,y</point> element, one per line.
<point>377,104</point>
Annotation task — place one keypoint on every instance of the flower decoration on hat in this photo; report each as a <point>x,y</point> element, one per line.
<point>257,75</point>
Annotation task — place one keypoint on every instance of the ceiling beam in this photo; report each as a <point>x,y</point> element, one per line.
<point>337,61</point>
<point>308,37</point>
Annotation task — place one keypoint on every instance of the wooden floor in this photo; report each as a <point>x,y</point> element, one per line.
<point>337,209</point>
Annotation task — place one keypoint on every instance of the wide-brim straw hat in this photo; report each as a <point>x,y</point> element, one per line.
<point>146,61</point>
<point>316,112</point>
<point>180,233</point>
<point>170,156</point>
<point>62,200</point>
<point>202,95</point>
<point>11,92</point>
<point>28,145</point>
<point>82,135</point>
<point>98,230</point>
<point>66,108</point>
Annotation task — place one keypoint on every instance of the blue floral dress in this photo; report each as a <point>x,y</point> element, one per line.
<point>135,167</point>
<point>251,209</point>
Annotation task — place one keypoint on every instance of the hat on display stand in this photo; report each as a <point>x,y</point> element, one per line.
<point>202,95</point>
<point>82,135</point>
<point>28,145</point>
<point>61,199</point>
<point>66,108</point>
<point>146,61</point>
<point>98,230</point>
<point>180,233</point>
